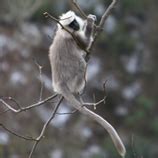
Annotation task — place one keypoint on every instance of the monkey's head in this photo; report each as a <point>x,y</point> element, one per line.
<point>71,21</point>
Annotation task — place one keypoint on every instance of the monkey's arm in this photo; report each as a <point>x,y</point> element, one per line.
<point>85,36</point>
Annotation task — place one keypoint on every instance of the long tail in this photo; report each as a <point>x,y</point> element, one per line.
<point>112,132</point>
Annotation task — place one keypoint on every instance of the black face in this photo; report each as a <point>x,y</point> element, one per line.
<point>74,25</point>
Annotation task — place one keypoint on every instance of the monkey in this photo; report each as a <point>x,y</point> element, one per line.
<point>68,66</point>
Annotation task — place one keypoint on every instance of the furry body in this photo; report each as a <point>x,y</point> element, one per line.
<point>69,67</point>
<point>66,58</point>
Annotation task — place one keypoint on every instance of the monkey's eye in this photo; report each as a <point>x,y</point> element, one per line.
<point>74,25</point>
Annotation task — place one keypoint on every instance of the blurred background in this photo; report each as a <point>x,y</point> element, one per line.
<point>125,56</point>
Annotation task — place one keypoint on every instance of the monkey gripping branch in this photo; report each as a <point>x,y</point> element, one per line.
<point>73,38</point>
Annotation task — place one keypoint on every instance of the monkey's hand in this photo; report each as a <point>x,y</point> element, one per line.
<point>91,18</point>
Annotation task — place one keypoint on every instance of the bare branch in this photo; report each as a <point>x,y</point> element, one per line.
<point>98,28</point>
<point>12,99</point>
<point>79,9</point>
<point>3,112</point>
<point>38,139</point>
<point>95,104</point>
<point>40,76</point>
<point>27,107</point>
<point>17,135</point>
<point>102,21</point>
<point>9,107</point>
<point>67,113</point>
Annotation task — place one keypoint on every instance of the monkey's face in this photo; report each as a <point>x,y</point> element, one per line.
<point>71,21</point>
<point>74,25</point>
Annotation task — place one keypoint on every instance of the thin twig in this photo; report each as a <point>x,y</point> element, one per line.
<point>79,9</point>
<point>40,77</point>
<point>104,90</point>
<point>95,104</point>
<point>13,100</point>
<point>94,100</point>
<point>102,22</point>
<point>38,139</point>
<point>134,153</point>
<point>67,113</point>
<point>9,107</point>
<point>17,135</point>
<point>27,107</point>
<point>3,112</point>
<point>84,104</point>
<point>98,28</point>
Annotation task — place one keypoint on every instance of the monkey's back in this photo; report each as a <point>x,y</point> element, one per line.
<point>67,63</point>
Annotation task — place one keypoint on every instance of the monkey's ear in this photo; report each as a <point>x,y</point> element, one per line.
<point>67,18</point>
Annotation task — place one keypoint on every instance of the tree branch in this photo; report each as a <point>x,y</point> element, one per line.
<point>98,29</point>
<point>79,9</point>
<point>17,135</point>
<point>40,77</point>
<point>39,138</point>
<point>27,107</point>
<point>102,22</point>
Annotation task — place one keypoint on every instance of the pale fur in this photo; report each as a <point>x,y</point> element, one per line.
<point>69,67</point>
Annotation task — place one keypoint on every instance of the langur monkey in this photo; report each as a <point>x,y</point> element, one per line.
<point>69,66</point>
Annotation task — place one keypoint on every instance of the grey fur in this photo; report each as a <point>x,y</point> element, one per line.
<point>68,71</point>
<point>67,61</point>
